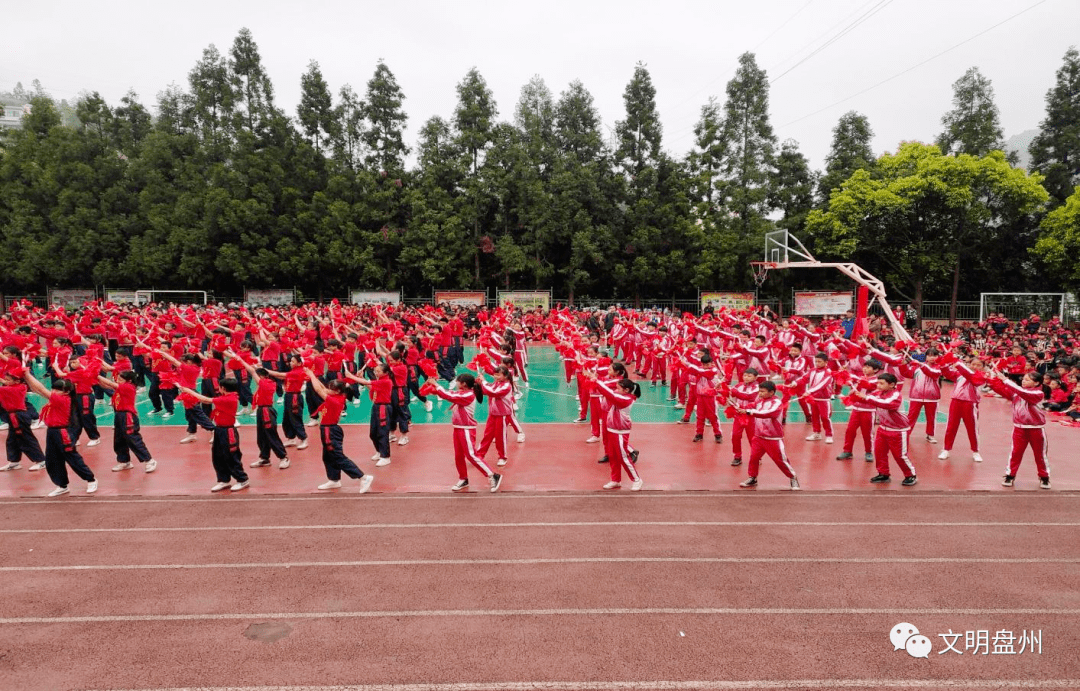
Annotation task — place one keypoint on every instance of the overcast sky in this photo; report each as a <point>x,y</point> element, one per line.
<point>690,48</point>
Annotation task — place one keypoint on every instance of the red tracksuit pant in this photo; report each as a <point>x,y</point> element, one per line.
<point>860,421</point>
<point>775,449</point>
<point>706,412</point>
<point>465,452</point>
<point>821,415</point>
<point>890,441</point>
<point>494,431</point>
<point>740,425</point>
<point>617,447</point>
<point>968,413</point>
<point>931,413</point>
<point>1036,438</point>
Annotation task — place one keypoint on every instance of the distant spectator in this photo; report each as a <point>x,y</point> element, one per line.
<point>848,323</point>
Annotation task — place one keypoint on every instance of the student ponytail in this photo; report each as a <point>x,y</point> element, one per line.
<point>470,383</point>
<point>630,385</point>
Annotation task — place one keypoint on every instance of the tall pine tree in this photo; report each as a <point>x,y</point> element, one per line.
<point>973,125</point>
<point>1055,151</point>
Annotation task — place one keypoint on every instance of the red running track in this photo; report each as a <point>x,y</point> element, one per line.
<point>536,591</point>
<point>554,457</point>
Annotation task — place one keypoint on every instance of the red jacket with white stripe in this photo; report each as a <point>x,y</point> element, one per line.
<point>1025,402</point>
<point>463,411</point>
<point>967,381</point>
<point>887,405</point>
<point>819,383</point>
<point>500,402</point>
<point>925,381</point>
<point>616,406</point>
<point>767,414</point>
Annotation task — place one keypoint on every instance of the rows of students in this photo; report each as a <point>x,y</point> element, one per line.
<point>320,359</point>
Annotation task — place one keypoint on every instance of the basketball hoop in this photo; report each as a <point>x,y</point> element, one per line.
<point>761,271</point>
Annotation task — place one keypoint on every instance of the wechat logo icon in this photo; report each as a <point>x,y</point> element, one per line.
<point>906,636</point>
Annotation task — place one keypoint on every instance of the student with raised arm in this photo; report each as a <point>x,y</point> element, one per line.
<point>964,405</point>
<point>463,399</point>
<point>189,367</point>
<point>335,461</point>
<point>862,413</point>
<point>60,449</point>
<point>925,390</point>
<point>20,438</point>
<point>266,429</point>
<point>225,452</point>
<point>500,395</point>
<point>380,389</point>
<point>892,429</point>
<point>818,394</point>
<point>768,438</point>
<point>127,439</point>
<point>1029,422</point>
<point>617,399</point>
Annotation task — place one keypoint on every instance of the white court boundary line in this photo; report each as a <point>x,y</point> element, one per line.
<point>567,524</point>
<point>513,496</point>
<point>671,685</point>
<point>569,611</point>
<point>552,561</point>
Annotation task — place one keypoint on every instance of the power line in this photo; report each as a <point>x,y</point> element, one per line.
<point>824,33</point>
<point>844,32</point>
<point>913,67</point>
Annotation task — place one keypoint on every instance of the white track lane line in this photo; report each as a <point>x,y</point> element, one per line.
<point>718,685</point>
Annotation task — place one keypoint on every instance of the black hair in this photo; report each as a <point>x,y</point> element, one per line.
<point>630,385</point>
<point>470,383</point>
<point>768,386</point>
<point>334,342</point>
<point>129,376</point>
<point>796,345</point>
<point>750,370</point>
<point>339,386</point>
<point>230,385</point>
<point>822,356</point>
<point>874,365</point>
<point>706,358</point>
<point>620,369</point>
<point>193,358</point>
<point>887,377</point>
<point>261,371</point>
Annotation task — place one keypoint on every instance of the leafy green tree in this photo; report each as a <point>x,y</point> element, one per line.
<point>316,108</point>
<point>386,120</point>
<point>349,113</point>
<point>850,151</point>
<point>474,121</point>
<point>131,124</point>
<point>1055,151</point>
<point>707,157</point>
<point>1059,246</point>
<point>973,125</point>
<point>640,133</point>
<point>792,187</point>
<point>212,102</point>
<point>253,87</point>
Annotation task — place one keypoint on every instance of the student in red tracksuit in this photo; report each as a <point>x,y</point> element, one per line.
<point>1029,422</point>
<point>266,429</point>
<point>292,417</point>
<point>334,460</point>
<point>819,391</point>
<point>617,399</point>
<point>925,391</point>
<point>705,402</point>
<point>964,405</point>
<point>463,398</point>
<point>500,396</point>
<point>743,397</point>
<point>768,435</point>
<point>127,438</point>
<point>60,449</point>
<point>794,366</point>
<point>892,430</point>
<point>861,418</point>
<point>225,453</point>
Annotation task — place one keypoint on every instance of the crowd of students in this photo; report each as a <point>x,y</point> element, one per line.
<point>223,363</point>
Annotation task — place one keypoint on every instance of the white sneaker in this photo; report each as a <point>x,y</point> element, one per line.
<point>638,484</point>
<point>365,483</point>
<point>376,457</point>
<point>814,437</point>
<point>188,439</point>
<point>976,457</point>
<point>37,466</point>
<point>330,484</point>
<point>122,466</point>
<point>151,466</point>
<point>91,487</point>
<point>166,416</point>
<point>931,439</point>
<point>521,438</point>
<point>58,491</point>
<point>943,455</point>
<point>260,463</point>
<point>312,423</point>
<point>37,424</point>
<point>403,441</point>
<point>501,462</point>
<point>393,437</point>
<point>4,426</point>
<point>429,406</point>
<point>283,464</point>
<point>93,442</point>
<point>236,424</point>
<point>291,442</point>
<point>382,462</point>
<point>303,445</point>
<point>460,486</point>
<point>11,466</point>
<point>592,440</point>
<point>219,486</point>
<point>239,486</point>
<point>795,484</point>
<point>828,440</point>
<point>613,485</point>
